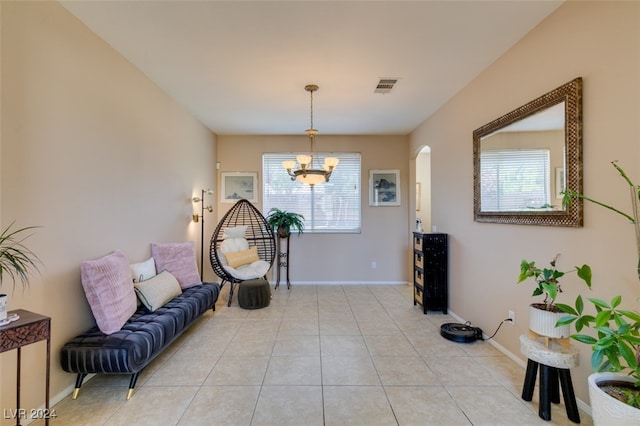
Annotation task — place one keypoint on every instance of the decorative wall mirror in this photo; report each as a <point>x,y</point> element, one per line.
<point>523,160</point>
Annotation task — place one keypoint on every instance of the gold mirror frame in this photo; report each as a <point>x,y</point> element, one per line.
<point>571,94</point>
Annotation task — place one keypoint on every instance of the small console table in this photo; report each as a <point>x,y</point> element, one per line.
<point>29,328</point>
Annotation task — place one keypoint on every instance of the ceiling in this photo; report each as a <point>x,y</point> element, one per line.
<point>240,67</point>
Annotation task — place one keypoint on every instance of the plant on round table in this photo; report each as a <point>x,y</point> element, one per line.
<point>16,260</point>
<point>546,280</point>
<point>617,345</point>
<point>283,222</point>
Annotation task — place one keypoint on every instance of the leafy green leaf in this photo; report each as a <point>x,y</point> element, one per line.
<point>596,360</point>
<point>599,303</point>
<point>615,302</point>
<point>603,318</point>
<point>565,321</point>
<point>579,304</point>
<point>567,309</point>
<point>584,272</point>
<point>584,338</point>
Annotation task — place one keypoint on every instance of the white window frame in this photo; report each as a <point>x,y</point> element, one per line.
<point>329,207</point>
<point>515,180</point>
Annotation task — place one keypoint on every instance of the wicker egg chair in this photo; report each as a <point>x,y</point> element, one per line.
<point>258,233</point>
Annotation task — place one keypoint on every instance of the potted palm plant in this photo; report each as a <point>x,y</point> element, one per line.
<point>614,388</point>
<point>284,222</point>
<point>544,316</point>
<point>16,261</point>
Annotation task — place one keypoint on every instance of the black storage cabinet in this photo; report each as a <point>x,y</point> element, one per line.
<point>430,271</point>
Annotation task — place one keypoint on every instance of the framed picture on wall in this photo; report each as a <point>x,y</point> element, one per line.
<point>384,188</point>
<point>559,181</point>
<point>237,185</point>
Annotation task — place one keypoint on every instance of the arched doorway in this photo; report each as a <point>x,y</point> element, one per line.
<point>423,188</point>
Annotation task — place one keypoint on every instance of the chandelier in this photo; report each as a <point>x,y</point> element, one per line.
<point>305,172</point>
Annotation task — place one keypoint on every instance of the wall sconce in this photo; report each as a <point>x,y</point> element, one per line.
<point>196,218</point>
<point>209,208</point>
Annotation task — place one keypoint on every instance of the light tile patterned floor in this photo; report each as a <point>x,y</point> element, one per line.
<point>318,355</point>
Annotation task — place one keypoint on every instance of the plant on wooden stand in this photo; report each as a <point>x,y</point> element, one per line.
<point>616,347</point>
<point>544,316</point>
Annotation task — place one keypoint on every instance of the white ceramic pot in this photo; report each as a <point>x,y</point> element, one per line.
<point>606,410</point>
<point>544,322</point>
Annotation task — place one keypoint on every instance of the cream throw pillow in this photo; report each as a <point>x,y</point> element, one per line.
<point>144,270</point>
<point>245,257</point>
<point>155,292</point>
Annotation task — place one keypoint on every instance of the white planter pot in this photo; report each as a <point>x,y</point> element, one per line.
<point>606,410</point>
<point>544,323</point>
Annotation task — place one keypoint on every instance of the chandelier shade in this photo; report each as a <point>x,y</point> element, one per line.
<point>305,172</point>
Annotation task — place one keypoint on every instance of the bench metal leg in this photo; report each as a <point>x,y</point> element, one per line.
<point>132,384</point>
<point>79,381</point>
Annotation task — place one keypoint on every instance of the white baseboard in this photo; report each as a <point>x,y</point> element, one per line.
<point>581,404</point>
<point>340,283</point>
<point>53,400</point>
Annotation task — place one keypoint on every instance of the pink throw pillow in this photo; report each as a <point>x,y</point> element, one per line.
<point>109,290</point>
<point>179,259</point>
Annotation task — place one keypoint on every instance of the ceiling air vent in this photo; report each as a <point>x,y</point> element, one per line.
<point>385,85</point>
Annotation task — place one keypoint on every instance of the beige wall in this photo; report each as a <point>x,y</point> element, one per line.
<point>95,154</point>
<point>599,41</point>
<point>338,258</point>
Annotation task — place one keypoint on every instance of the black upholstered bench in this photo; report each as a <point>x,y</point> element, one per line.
<point>143,337</point>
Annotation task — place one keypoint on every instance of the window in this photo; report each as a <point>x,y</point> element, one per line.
<point>515,180</point>
<point>332,206</point>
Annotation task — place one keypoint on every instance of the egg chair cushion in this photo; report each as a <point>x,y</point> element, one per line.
<point>253,270</point>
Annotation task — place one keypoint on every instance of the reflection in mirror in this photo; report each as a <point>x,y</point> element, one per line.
<point>517,161</point>
<point>523,160</point>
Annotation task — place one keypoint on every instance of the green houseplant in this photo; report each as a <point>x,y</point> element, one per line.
<point>544,316</point>
<point>616,344</point>
<point>546,280</point>
<point>284,222</point>
<point>16,260</point>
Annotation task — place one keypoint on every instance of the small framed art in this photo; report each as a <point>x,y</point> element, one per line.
<point>237,185</point>
<point>384,188</point>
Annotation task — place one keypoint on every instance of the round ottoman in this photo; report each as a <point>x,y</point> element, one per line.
<point>254,294</point>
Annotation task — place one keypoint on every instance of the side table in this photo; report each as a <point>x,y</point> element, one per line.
<point>30,328</point>
<point>283,261</point>
<point>555,362</point>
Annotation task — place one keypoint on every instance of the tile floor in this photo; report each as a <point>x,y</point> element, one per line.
<point>318,355</point>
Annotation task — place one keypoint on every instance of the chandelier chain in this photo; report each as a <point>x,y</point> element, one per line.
<point>311,91</point>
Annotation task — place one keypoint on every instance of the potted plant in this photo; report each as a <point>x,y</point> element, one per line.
<point>283,222</point>
<point>543,317</point>
<point>614,388</point>
<point>16,261</point>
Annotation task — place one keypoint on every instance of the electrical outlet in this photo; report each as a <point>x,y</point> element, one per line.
<point>374,265</point>
<point>512,317</point>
